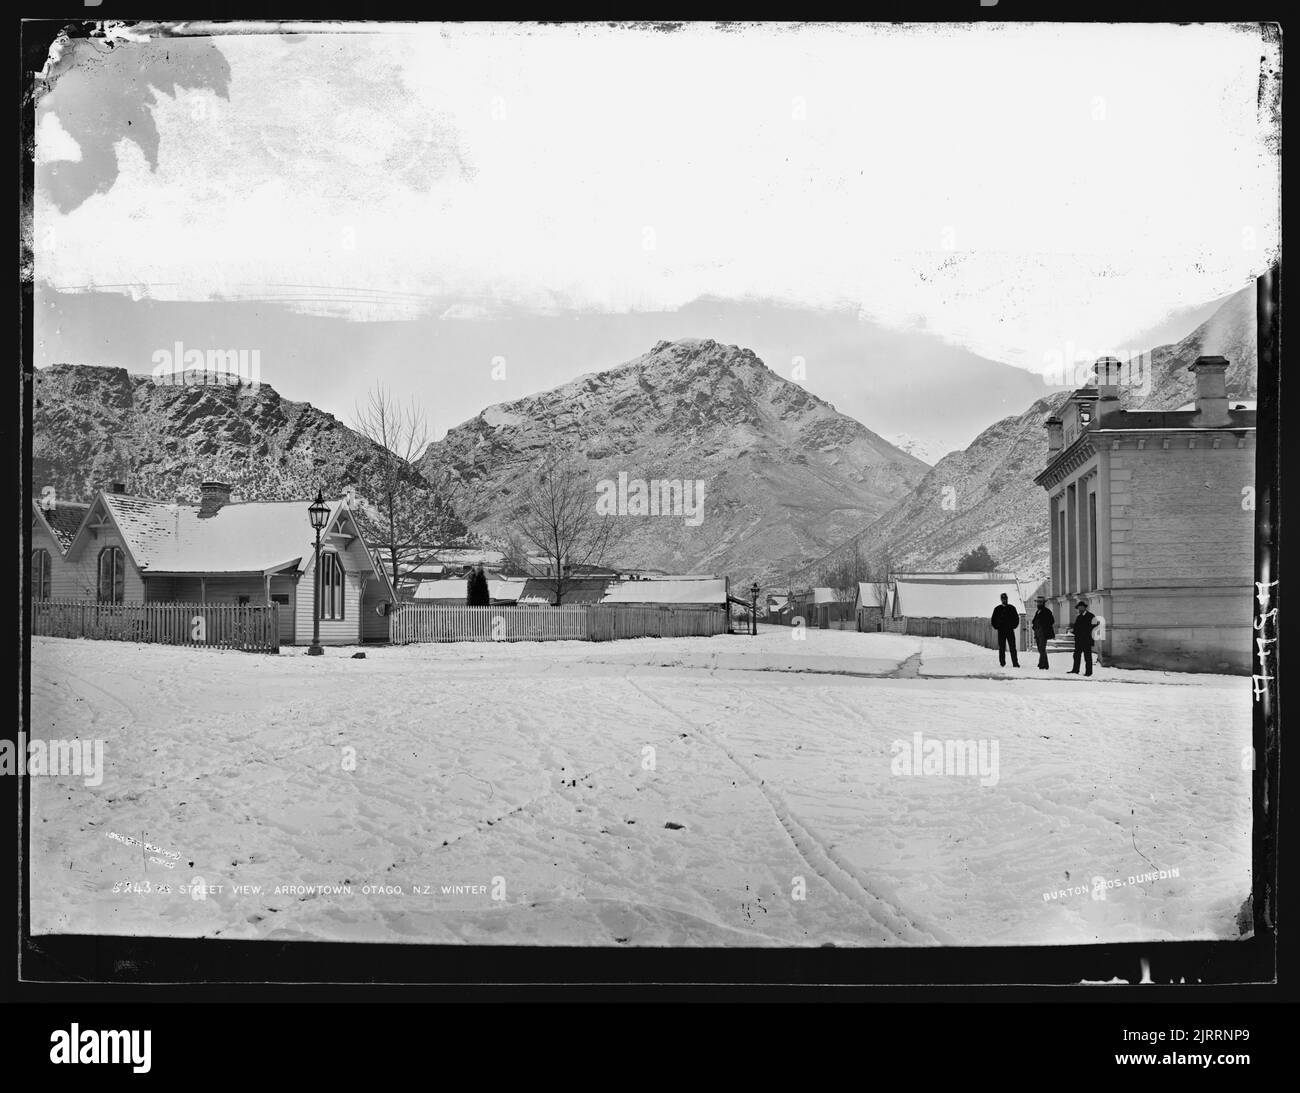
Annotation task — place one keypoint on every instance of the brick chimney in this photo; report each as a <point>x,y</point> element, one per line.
<point>215,495</point>
<point>1055,438</point>
<point>117,487</point>
<point>1211,391</point>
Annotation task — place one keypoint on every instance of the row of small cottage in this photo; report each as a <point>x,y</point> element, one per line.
<point>903,595</point>
<point>125,549</point>
<point>647,591</point>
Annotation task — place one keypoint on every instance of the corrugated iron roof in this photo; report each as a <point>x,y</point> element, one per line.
<point>453,590</point>
<point>241,537</point>
<point>869,595</point>
<point>541,590</point>
<point>685,591</point>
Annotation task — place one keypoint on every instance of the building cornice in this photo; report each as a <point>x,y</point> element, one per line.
<point>1096,439</point>
<point>1069,459</point>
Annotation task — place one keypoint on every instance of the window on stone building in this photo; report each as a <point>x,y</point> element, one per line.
<point>1092,539</point>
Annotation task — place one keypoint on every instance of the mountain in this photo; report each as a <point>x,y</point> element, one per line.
<point>986,493</point>
<point>927,451</point>
<point>785,474</point>
<point>892,380</point>
<point>93,426</point>
<point>1229,332</point>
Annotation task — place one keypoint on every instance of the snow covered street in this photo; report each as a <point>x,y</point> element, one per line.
<point>691,791</point>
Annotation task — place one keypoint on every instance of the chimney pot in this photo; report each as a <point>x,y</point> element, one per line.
<point>214,496</point>
<point>1109,372</point>
<point>1211,391</point>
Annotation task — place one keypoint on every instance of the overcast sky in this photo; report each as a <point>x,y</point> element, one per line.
<point>1011,190</point>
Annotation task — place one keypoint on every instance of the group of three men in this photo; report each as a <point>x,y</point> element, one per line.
<point>1006,621</point>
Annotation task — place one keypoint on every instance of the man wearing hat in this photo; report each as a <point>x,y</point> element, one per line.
<point>1044,625</point>
<point>1006,621</point>
<point>1081,628</point>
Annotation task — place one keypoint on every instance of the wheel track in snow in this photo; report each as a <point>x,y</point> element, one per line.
<point>819,857</point>
<point>99,704</point>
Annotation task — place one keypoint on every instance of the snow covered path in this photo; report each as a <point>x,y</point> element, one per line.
<point>692,791</point>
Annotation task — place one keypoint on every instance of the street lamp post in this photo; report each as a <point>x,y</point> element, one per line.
<point>319,512</point>
<point>753,610</point>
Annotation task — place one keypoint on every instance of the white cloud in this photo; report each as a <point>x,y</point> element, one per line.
<point>1014,188</point>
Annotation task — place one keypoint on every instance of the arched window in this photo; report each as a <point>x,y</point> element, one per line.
<point>112,575</point>
<point>331,586</point>
<point>41,574</point>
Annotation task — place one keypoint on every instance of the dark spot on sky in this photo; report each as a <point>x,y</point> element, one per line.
<point>101,94</point>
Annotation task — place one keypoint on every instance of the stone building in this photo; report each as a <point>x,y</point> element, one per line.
<point>1152,522</point>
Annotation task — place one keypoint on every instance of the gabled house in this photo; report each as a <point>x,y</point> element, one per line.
<point>138,550</point>
<point>54,525</point>
<point>821,607</point>
<point>871,604</point>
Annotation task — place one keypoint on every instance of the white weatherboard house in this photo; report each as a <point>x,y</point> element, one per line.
<point>137,550</point>
<point>952,595</point>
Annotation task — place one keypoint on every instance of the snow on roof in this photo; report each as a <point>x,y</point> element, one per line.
<point>952,599</point>
<point>869,594</point>
<point>1233,404</point>
<point>455,589</point>
<point>686,590</point>
<point>995,576</point>
<point>506,588</point>
<point>447,590</point>
<point>243,537</point>
<point>63,518</point>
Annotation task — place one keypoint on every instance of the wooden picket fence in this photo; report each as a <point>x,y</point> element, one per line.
<point>976,631</point>
<point>254,628</point>
<point>614,623</point>
<point>580,622</point>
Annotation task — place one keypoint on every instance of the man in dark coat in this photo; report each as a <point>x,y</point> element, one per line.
<point>1006,621</point>
<point>1044,625</point>
<point>1081,628</point>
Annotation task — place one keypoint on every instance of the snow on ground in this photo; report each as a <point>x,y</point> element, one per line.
<point>548,775</point>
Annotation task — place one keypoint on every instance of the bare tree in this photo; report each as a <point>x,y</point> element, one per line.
<point>845,572</point>
<point>514,553</point>
<point>557,516</point>
<point>414,516</point>
<point>880,569</point>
